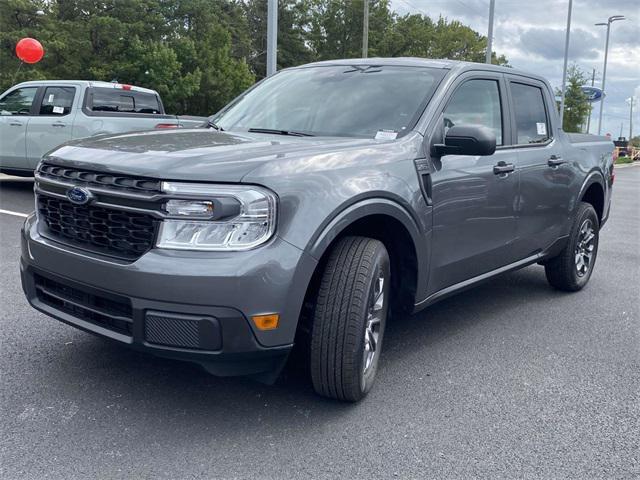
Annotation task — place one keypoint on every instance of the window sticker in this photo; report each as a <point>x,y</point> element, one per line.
<point>58,110</point>
<point>50,100</point>
<point>541,128</point>
<point>386,135</point>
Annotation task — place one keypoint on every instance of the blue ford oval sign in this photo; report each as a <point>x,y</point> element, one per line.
<point>594,94</point>
<point>79,195</point>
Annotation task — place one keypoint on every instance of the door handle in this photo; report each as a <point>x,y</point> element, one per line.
<point>503,168</point>
<point>58,124</point>
<point>555,161</point>
<point>16,124</point>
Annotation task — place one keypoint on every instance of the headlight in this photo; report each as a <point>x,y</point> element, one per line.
<point>252,224</point>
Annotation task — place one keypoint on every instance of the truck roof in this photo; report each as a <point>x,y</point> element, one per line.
<point>444,63</point>
<point>88,83</point>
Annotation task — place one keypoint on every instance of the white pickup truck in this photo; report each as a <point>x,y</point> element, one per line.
<point>37,116</point>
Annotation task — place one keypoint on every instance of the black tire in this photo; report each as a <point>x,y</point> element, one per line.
<point>564,271</point>
<point>346,297</point>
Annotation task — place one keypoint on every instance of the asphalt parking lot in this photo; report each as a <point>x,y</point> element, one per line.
<point>509,380</point>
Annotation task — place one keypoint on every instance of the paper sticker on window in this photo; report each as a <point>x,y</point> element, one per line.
<point>386,135</point>
<point>50,100</point>
<point>542,128</point>
<point>58,109</point>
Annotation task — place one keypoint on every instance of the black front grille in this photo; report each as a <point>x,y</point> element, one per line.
<point>117,233</point>
<point>113,313</point>
<point>98,179</point>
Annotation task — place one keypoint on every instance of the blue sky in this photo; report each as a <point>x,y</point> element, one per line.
<point>531,34</point>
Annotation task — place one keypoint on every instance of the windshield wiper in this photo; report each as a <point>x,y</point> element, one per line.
<point>211,124</point>
<point>293,133</point>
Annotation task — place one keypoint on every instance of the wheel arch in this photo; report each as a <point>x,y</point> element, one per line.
<point>391,223</point>
<point>593,192</point>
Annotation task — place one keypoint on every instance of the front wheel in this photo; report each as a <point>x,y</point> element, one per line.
<point>571,269</point>
<point>350,314</point>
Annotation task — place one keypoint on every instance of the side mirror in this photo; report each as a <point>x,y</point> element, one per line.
<point>467,140</point>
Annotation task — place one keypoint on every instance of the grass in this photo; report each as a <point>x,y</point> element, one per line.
<point>621,160</point>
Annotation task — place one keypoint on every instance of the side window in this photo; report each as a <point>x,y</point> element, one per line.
<point>57,101</point>
<point>476,102</point>
<point>18,102</point>
<point>532,121</point>
<point>123,101</point>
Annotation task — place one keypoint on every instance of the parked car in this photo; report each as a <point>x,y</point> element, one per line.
<point>38,116</point>
<point>314,205</point>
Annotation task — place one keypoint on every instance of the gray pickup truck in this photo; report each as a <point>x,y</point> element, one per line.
<point>37,116</point>
<point>313,208</point>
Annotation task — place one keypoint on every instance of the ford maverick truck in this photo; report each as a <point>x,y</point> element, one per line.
<point>40,115</point>
<point>310,210</point>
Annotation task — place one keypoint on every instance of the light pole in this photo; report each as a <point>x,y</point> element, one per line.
<point>566,59</point>
<point>593,80</point>
<point>492,7</point>
<point>610,20</point>
<point>365,30</point>
<point>631,101</point>
<point>272,36</point>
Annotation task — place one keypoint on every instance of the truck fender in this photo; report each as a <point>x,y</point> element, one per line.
<point>330,230</point>
<point>594,176</point>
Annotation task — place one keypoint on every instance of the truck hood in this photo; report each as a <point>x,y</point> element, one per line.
<point>196,154</point>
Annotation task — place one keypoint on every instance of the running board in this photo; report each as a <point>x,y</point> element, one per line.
<point>458,287</point>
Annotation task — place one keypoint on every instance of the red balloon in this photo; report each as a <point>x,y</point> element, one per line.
<point>29,50</point>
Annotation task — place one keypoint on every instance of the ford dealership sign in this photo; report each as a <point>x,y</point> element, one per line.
<point>594,94</point>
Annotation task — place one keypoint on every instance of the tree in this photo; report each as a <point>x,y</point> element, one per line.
<point>576,104</point>
<point>418,35</point>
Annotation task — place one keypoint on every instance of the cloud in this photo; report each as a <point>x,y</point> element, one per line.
<point>626,33</point>
<point>549,43</point>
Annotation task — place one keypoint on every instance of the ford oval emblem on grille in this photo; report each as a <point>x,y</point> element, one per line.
<point>79,196</point>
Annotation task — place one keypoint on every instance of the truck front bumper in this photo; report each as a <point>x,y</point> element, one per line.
<point>193,306</point>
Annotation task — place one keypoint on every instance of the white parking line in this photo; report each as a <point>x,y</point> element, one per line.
<point>16,214</point>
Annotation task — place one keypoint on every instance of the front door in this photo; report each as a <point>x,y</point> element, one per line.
<point>53,124</point>
<point>16,108</point>
<point>474,197</point>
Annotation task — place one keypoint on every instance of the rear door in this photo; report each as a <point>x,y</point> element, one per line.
<point>52,126</point>
<point>16,111</point>
<point>545,176</point>
<point>474,217</point>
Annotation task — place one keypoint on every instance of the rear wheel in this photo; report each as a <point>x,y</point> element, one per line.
<point>350,314</point>
<point>571,269</point>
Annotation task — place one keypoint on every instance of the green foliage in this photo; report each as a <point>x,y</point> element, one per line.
<point>635,141</point>
<point>419,36</point>
<point>200,54</point>
<point>576,104</point>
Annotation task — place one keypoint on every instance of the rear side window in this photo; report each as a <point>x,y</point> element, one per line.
<point>123,101</point>
<point>476,102</point>
<point>18,102</point>
<point>57,101</point>
<point>532,121</point>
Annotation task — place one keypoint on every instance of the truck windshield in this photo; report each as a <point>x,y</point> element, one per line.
<point>345,100</point>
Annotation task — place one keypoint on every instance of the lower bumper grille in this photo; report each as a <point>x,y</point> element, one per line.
<point>117,233</point>
<point>111,313</point>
